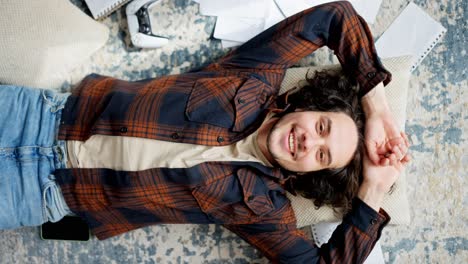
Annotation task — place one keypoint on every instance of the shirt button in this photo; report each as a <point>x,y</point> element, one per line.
<point>373,221</point>
<point>123,129</point>
<point>220,139</point>
<point>240,101</point>
<point>175,135</point>
<point>371,75</point>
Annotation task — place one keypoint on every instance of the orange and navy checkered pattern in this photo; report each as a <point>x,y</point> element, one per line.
<point>245,197</point>
<point>218,105</point>
<point>225,101</point>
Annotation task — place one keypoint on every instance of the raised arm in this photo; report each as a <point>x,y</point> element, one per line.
<point>336,25</point>
<point>351,242</point>
<point>385,143</point>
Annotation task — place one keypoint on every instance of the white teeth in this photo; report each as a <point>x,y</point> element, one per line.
<point>291,142</point>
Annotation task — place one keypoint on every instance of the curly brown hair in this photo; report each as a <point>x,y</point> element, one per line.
<point>330,91</point>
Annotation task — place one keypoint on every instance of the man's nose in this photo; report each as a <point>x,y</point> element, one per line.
<point>307,141</point>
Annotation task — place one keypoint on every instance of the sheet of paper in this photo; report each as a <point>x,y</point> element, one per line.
<point>274,14</point>
<point>291,7</point>
<point>229,44</point>
<point>238,28</point>
<point>236,8</point>
<point>413,32</point>
<point>368,9</point>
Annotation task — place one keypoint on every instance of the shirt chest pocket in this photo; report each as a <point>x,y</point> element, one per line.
<point>234,199</point>
<point>229,102</point>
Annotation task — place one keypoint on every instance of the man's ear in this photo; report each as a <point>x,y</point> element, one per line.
<point>285,110</point>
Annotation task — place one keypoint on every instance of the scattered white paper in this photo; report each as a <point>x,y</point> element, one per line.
<point>240,20</point>
<point>413,32</point>
<point>229,44</point>
<point>368,9</point>
<point>291,7</point>
<point>238,28</point>
<point>274,14</point>
<point>236,8</point>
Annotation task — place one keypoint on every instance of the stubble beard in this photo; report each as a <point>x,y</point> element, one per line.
<point>269,142</point>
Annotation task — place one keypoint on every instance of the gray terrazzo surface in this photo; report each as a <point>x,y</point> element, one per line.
<point>437,115</point>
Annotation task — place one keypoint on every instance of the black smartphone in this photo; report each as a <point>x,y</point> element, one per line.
<point>68,228</point>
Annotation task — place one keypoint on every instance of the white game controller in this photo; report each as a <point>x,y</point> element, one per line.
<point>139,25</point>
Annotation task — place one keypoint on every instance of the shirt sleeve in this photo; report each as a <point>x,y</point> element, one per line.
<point>351,242</point>
<point>336,25</point>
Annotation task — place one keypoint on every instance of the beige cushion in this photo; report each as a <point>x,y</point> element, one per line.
<point>396,203</point>
<point>41,41</point>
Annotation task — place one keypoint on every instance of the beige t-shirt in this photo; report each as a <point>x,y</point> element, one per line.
<point>134,154</point>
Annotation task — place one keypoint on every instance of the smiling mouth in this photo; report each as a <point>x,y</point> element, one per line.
<point>292,142</point>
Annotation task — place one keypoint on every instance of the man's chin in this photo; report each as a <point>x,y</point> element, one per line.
<point>275,158</point>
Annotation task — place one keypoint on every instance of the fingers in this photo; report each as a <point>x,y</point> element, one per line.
<point>395,157</point>
<point>372,151</point>
<point>384,162</point>
<point>390,152</point>
<point>398,152</point>
<point>402,138</point>
<point>398,149</point>
<point>397,142</point>
<point>406,159</point>
<point>405,138</point>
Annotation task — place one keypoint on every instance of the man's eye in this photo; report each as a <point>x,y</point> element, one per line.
<point>321,128</point>
<point>321,155</point>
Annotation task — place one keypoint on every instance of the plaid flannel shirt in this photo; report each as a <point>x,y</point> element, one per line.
<point>218,105</point>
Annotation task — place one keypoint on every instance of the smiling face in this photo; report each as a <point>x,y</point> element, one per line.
<point>309,140</point>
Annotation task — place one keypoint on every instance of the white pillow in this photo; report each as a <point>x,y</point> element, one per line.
<point>41,41</point>
<point>396,203</point>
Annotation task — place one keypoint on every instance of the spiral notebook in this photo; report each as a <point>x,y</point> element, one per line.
<point>102,8</point>
<point>413,32</point>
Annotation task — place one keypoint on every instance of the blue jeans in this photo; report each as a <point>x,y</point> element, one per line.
<point>29,154</point>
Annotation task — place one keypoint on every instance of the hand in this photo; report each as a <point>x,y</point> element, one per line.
<point>382,177</point>
<point>378,180</point>
<point>384,141</point>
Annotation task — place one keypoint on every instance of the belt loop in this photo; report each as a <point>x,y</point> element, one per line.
<point>60,154</point>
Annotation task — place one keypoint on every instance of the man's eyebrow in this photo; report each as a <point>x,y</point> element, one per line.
<point>329,125</point>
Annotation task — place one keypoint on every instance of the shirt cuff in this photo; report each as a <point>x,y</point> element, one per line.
<point>372,74</point>
<point>367,219</point>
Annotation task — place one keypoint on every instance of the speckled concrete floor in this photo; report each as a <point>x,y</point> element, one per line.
<point>437,115</point>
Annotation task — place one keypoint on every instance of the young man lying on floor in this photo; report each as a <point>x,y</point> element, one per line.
<point>215,146</point>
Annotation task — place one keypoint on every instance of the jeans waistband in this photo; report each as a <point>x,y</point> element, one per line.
<point>60,153</point>
<point>60,146</point>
